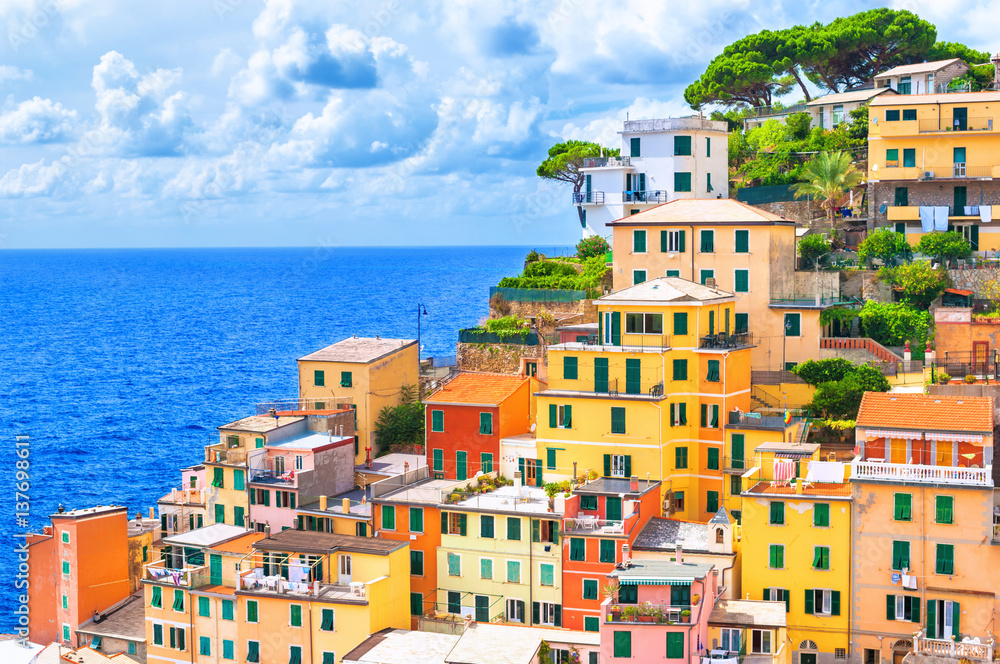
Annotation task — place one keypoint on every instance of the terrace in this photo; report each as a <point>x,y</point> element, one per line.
<point>881,471</point>
<point>227,453</point>
<point>449,616</point>
<point>959,650</point>
<point>503,499</point>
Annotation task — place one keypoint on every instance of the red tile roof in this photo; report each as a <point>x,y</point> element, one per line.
<point>922,412</point>
<point>477,388</point>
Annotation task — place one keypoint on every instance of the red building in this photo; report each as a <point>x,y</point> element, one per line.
<point>601,522</point>
<point>469,415</point>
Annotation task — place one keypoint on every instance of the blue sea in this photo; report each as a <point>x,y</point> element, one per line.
<point>119,364</point>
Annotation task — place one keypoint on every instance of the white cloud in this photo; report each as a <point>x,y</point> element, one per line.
<point>604,129</point>
<point>12,73</point>
<point>36,120</point>
<point>35,179</point>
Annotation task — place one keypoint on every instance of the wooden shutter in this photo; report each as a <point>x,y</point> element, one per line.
<point>931,619</point>
<point>835,602</point>
<point>680,245</point>
<point>553,417</point>
<point>616,328</point>
<point>809,601</point>
<point>890,607</point>
<point>628,465</point>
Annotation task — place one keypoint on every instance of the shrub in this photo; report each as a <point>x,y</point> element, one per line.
<point>943,377</point>
<point>969,379</point>
<point>917,283</point>
<point>588,247</point>
<point>895,323</point>
<point>841,399</point>
<point>798,125</point>
<point>811,248</point>
<point>815,372</point>
<point>944,246</point>
<point>532,257</point>
<point>885,244</point>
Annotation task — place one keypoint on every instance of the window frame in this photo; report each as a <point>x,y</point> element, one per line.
<point>704,233</point>
<point>638,233</point>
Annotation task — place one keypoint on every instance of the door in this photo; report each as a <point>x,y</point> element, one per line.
<point>960,198</point>
<point>897,450</point>
<point>981,354</point>
<point>589,189</point>
<point>215,569</point>
<point>807,658</point>
<point>461,466</point>
<point>613,508</point>
<point>958,157</point>
<point>344,569</point>
<point>960,117</point>
<point>482,608</point>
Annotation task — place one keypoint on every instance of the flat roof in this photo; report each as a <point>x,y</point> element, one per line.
<point>127,622</point>
<point>310,441</point>
<point>702,211</point>
<point>477,388</point>
<point>315,542</point>
<point>487,643</point>
<point>616,486</point>
<point>782,447</point>
<point>393,464</point>
<point>260,423</point>
<point>809,490</point>
<point>85,512</point>
<point>662,571</point>
<point>922,412</point>
<point>242,544</point>
<point>667,290</point>
<point>425,491</point>
<point>358,350</point>
<point>530,500</point>
<point>403,646</point>
<point>755,613</point>
<point>665,534</point>
<point>209,536</point>
<point>335,505</point>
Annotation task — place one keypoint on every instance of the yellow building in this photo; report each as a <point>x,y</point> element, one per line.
<point>795,548</point>
<point>369,372</point>
<point>652,397</point>
<point>748,252</point>
<point>749,631</point>
<point>936,151</point>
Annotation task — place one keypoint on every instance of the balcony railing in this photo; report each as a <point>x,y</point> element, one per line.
<point>280,477</point>
<point>738,465</point>
<point>910,472</point>
<point>186,577</point>
<point>953,649</point>
<point>980,123</point>
<point>727,341</point>
<point>651,196</point>
<point>588,198</point>
<point>601,162</point>
<point>651,614</point>
<point>860,343</point>
<point>292,406</point>
<point>223,453</point>
<point>933,172</point>
<point>763,420</point>
<point>585,525</point>
<point>770,111</point>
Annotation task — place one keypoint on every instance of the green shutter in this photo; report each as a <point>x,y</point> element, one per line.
<point>707,241</point>
<point>486,526</point>
<point>742,284</point>
<point>681,244</point>
<point>438,460</point>
<point>388,517</point>
<point>416,604</point>
<point>713,458</point>
<point>486,424</point>
<point>713,371</point>
<point>915,612</point>
<point>680,370</point>
<point>628,465</point>
<point>902,196</point>
<point>835,602</point>
<point>931,619</point>
<point>956,614</point>
<point>616,328</point>
<point>623,644</point>
<point>553,416</point>
<point>809,601</point>
<point>675,645</point>
<point>600,375</point>
<point>437,420</point>
<point>793,325</point>
<point>589,588</point>
<point>682,181</point>
<point>569,368</point>
<point>742,242</point>
<point>708,146</point>
<point>607,465</point>
<point>486,462</point>
<point>617,420</point>
<point>639,241</point>
<point>682,146</point>
<point>680,323</point>
<point>663,241</point>
<point>463,524</point>
<point>538,470</point>
<point>902,507</point>
<point>633,376</point>
<point>712,502</point>
<point>944,509</point>
<point>634,146</point>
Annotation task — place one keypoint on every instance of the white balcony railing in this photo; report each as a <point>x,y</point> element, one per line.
<point>953,649</point>
<point>911,472</point>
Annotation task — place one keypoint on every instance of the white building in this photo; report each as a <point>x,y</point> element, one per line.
<point>922,78</point>
<point>828,111</point>
<point>661,160</point>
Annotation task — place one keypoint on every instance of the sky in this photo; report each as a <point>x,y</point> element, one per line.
<point>201,123</point>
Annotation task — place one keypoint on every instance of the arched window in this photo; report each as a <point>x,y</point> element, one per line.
<point>808,645</point>
<point>720,536</point>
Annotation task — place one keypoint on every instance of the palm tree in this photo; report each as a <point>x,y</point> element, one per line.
<point>829,175</point>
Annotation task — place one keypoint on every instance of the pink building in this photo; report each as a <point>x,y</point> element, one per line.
<point>662,611</point>
<point>295,472</point>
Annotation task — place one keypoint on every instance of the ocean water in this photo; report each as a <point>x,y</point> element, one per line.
<point>119,364</point>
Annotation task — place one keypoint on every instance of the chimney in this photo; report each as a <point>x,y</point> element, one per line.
<point>710,282</point>
<point>517,482</point>
<point>679,554</point>
<point>151,513</point>
<point>322,503</point>
<point>177,496</point>
<point>633,484</point>
<point>798,485</point>
<point>345,505</point>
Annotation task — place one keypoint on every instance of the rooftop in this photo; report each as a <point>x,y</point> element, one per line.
<point>849,96</point>
<point>55,653</point>
<point>242,544</point>
<point>90,511</point>
<point>359,350</point>
<point>661,572</point>
<point>531,499</point>
<point>579,327</point>
<point>786,449</point>
<point>487,643</point>
<point>945,98</point>
<point>310,441</point>
<point>665,534</point>
<point>393,464</point>
<point>918,68</point>
<point>686,211</point>
<point>425,491</point>
<point>921,412</point>
<point>209,536</point>
<point>259,423</point>
<point>667,289</point>
<point>476,388</point>
<point>307,541</point>
<point>335,504</point>
<point>617,485</point>
<point>403,646</point>
<point>819,490</point>
<point>127,622</point>
<point>748,612</point>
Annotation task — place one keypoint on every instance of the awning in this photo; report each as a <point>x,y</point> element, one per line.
<point>654,581</point>
<point>956,437</point>
<point>791,455</point>
<point>878,433</point>
<point>958,291</point>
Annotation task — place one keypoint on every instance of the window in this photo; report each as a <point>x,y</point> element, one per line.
<point>903,608</point>
<point>760,641</point>
<point>178,600</point>
<point>65,601</point>
<point>453,523</point>
<point>592,624</point>
<point>486,568</point>
<point>909,114</point>
<point>872,656</point>
<point>319,378</point>
<point>742,323</point>
<point>607,551</point>
<point>944,509</point>
<point>707,241</point>
<point>577,548</point>
<point>513,571</point>
<point>643,324</point>
<point>902,196</point>
<point>156,601</point>
<point>678,414</point>
<point>680,369</point>
<point>486,424</point>
<point>741,281</point>
<point>416,604</point>
<point>730,639</point>
<point>679,501</point>
<point>438,460</point>
<point>560,417</point>
<point>251,610</point>
<point>777,513</point>
<point>776,558</point>
<point>909,157</point>
<point>708,182</point>
<point>416,519</point>
<point>682,181</point>
<point>239,514</point>
<point>388,517</point>
<point>838,114</point>
<point>515,610</point>
<point>945,559</point>
<point>634,146</point>
<point>132,649</point>
<point>672,241</point>
<point>710,416</point>
<point>713,371</point>
<point>253,651</point>
<point>203,607</point>
<point>892,157</point>
<point>735,485</point>
<point>218,478</point>
<point>904,85</point>
<point>570,368</point>
<point>588,502</point>
<point>793,325</point>
<point>711,502</point>
<point>675,645</point>
<point>416,562</point>
<point>157,634</point>
<point>892,115</point>
<point>590,589</point>
<point>486,526</point>
<point>900,555</point>
<point>227,609</point>
<point>513,528</point>
<point>454,564</point>
<point>840,653</point>
<point>346,380</point>
<point>712,463</point>
<point>617,420</point>
<point>705,275</point>
<point>437,420</point>
<point>294,654</point>
<point>821,557</point>
<point>821,515</point>
<point>639,242</point>
<point>623,644</point>
<point>546,573</point>
<point>486,462</point>
<point>682,146</point>
<point>680,457</point>
<point>901,506</point>
<point>205,646</point>
<point>618,465</point>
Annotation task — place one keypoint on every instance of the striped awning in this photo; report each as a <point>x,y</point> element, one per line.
<point>791,455</point>
<point>654,581</point>
<point>879,433</point>
<point>956,437</point>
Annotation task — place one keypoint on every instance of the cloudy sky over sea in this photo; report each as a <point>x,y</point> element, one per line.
<point>284,122</point>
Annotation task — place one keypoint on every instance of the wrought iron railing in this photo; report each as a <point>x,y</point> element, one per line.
<point>650,196</point>
<point>726,341</point>
<point>599,162</point>
<point>588,198</point>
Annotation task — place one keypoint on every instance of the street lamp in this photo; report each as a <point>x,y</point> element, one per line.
<point>421,311</point>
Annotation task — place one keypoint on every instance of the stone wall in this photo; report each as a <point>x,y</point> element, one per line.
<point>973,280</point>
<point>808,213</point>
<point>929,192</point>
<point>569,313</point>
<point>496,358</point>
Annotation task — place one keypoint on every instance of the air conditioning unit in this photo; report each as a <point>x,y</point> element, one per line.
<point>928,175</point>
<point>624,550</point>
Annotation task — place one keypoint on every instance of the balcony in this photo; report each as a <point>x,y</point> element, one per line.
<point>293,407</point>
<point>223,453</point>
<point>588,525</point>
<point>186,577</point>
<point>772,422</point>
<point>723,341</point>
<point>912,212</point>
<point>255,584</point>
<point>877,471</point>
<point>607,162</point>
<point>735,466</point>
<point>979,123</point>
<point>588,198</point>
<point>953,171</point>
<point>648,613</point>
<point>807,300</point>
<point>280,477</point>
<point>953,649</point>
<point>673,124</point>
<point>630,343</point>
<point>651,196</point>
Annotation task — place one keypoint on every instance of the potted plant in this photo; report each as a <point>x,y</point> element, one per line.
<point>659,616</point>
<point>943,378</point>
<point>646,612</point>
<point>969,379</point>
<point>686,616</point>
<point>630,614</point>
<point>695,599</point>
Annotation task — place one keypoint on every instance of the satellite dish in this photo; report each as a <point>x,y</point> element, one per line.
<point>532,427</point>
<point>875,168</point>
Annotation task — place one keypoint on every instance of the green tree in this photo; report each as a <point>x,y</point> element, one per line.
<point>918,283</point>
<point>841,399</point>
<point>798,125</point>
<point>748,72</point>
<point>402,424</point>
<point>815,372</point>
<point>829,176</point>
<point>588,247</point>
<point>945,246</point>
<point>565,161</point>
<point>857,128</point>
<point>980,77</point>
<point>895,323</point>
<point>885,244</point>
<point>811,248</point>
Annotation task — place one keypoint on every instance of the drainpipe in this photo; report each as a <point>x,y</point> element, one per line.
<point>531,582</point>
<point>692,253</point>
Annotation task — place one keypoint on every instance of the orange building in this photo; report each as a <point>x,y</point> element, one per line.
<point>601,522</point>
<point>469,415</point>
<point>77,566</point>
